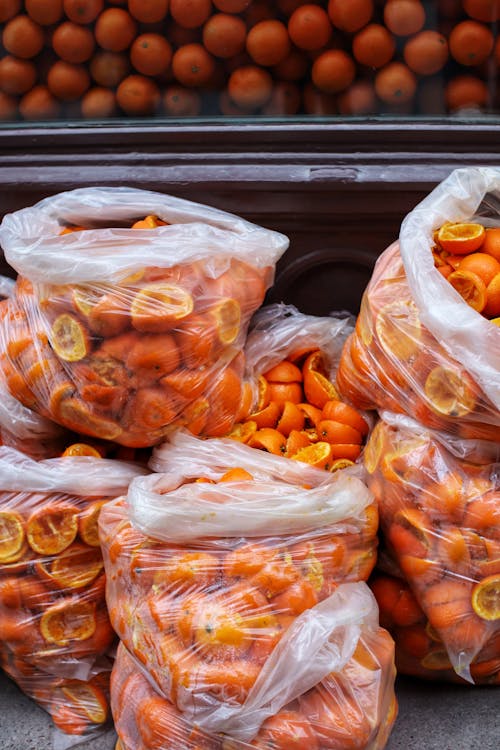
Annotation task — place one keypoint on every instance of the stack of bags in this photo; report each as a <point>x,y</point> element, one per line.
<point>234,578</point>
<point>426,354</point>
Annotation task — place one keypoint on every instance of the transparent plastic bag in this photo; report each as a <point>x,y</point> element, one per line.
<point>352,707</point>
<point>393,362</point>
<point>418,347</point>
<point>79,708</point>
<point>419,650</point>
<point>53,615</point>
<point>20,427</point>
<point>217,571</point>
<point>125,333</point>
<point>440,518</point>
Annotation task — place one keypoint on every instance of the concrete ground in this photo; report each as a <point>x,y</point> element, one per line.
<point>431,717</point>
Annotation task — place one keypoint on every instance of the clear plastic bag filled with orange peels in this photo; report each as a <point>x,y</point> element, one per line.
<point>211,563</point>
<point>349,704</point>
<point>125,327</point>
<point>296,411</point>
<point>423,343</point>
<point>440,520</point>
<point>53,615</point>
<point>419,650</point>
<point>21,427</point>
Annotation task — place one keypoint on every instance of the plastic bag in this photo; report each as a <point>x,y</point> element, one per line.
<point>419,348</point>
<point>419,650</point>
<point>352,707</point>
<point>440,518</point>
<point>219,570</point>
<point>20,427</point>
<point>393,362</point>
<point>78,708</point>
<point>125,334</point>
<point>53,616</point>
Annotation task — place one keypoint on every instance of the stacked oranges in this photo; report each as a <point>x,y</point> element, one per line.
<point>100,58</point>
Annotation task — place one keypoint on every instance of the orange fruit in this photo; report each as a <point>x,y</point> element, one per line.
<point>268,42</point>
<point>482,264</point>
<point>157,308</point>
<point>22,37</point>
<point>464,91</point>
<point>350,451</point>
<point>296,440</point>
<point>395,83</point>
<point>72,42</point>
<point>486,598</point>
<point>52,528</point>
<point>226,315</point>
<point>109,68</point>
<point>152,357</point>
<point>309,27</point>
<point>491,244</point>
<point>150,54</point>
<point>461,238</point>
<point>225,399</point>
<point>333,71</point>
<point>284,372</point>
<point>9,109</point>
<point>115,30</point>
<point>436,660</point>
<point>232,6</point>
<point>87,523</point>
<point>318,388</point>
<point>281,392</point>
<point>148,11</point>
<point>292,418</point>
<point>11,536</point>
<point>482,10</point>
<point>179,101</point>
<point>287,730</point>
<point>447,602</point>
<point>190,384</point>
<point>398,329</point>
<point>67,82</point>
<point>83,11</point>
<point>342,412</point>
<point>338,432</point>
<point>138,95</point>
<point>268,416</point>
<point>449,392</point>
<point>238,474</point>
<point>350,15</point>
<point>66,620</point>
<point>74,568</point>
<point>97,103</point>
<point>69,338</point>
<point>192,65</point>
<point>470,287</point>
<point>492,307</point>
<point>373,46</point>
<point>8,9</point>
<point>16,76</point>
<point>86,700</point>
<point>250,87</point>
<point>426,53</point>
<point>312,415</point>
<point>75,415</point>
<point>81,449</point>
<point>270,440</point>
<point>224,35</point>
<point>471,43</point>
<point>243,431</point>
<point>318,455</point>
<point>404,17</point>
<point>190,13</point>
